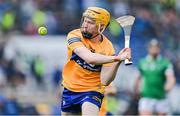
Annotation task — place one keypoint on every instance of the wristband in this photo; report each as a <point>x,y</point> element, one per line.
<point>117,59</point>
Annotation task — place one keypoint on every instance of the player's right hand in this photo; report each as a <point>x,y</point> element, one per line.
<point>125,53</point>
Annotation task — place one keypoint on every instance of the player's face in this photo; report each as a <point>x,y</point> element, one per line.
<point>154,50</point>
<point>89,26</point>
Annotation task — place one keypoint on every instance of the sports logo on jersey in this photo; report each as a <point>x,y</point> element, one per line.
<point>85,65</point>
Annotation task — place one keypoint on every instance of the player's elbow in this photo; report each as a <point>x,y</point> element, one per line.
<point>106,79</point>
<point>105,82</point>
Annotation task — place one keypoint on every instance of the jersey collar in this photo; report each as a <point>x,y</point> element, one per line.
<point>149,58</point>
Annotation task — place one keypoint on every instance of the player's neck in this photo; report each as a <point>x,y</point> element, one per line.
<point>97,39</point>
<point>154,57</point>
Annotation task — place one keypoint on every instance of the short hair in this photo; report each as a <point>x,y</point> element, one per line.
<point>154,42</point>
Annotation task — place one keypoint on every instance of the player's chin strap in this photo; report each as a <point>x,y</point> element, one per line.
<point>99,31</point>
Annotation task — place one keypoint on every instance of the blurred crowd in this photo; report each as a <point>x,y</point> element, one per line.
<point>27,91</point>
<point>158,19</point>
<point>154,19</point>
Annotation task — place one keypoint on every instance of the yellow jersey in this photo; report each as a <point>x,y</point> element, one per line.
<point>79,76</point>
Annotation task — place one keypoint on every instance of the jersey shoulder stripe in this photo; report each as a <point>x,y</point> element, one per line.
<point>73,39</point>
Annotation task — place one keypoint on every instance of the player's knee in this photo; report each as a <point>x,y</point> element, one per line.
<point>89,109</point>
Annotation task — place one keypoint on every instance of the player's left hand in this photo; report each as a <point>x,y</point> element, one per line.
<point>125,53</point>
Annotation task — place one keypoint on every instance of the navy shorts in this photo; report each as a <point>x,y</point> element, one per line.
<point>72,101</point>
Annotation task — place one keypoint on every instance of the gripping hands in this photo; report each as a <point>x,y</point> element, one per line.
<point>125,53</point>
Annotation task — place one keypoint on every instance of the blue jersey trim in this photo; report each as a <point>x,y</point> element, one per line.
<point>83,64</point>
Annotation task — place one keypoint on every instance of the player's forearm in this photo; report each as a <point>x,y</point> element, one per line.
<point>94,58</point>
<point>108,75</point>
<point>170,84</point>
<point>137,84</point>
<point>99,59</point>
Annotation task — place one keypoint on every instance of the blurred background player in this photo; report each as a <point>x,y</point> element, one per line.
<point>157,78</point>
<point>91,64</point>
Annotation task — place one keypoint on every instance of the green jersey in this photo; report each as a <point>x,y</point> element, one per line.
<point>153,74</point>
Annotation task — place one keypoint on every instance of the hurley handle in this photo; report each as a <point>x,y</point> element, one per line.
<point>127,43</point>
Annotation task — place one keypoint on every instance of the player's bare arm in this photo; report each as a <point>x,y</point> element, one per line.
<point>95,58</point>
<point>137,84</point>
<point>171,80</point>
<point>108,73</point>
